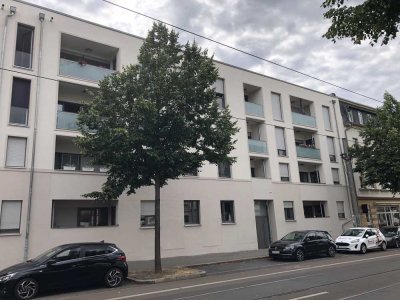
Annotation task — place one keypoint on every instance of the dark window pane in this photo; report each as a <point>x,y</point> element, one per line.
<point>21,90</point>
<point>23,53</point>
<point>304,177</point>
<point>224,170</point>
<point>191,212</point>
<point>67,254</point>
<point>227,212</point>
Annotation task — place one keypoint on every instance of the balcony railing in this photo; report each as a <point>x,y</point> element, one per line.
<point>304,120</point>
<point>254,109</point>
<point>87,72</point>
<point>19,115</point>
<point>308,152</point>
<point>67,120</point>
<point>257,146</point>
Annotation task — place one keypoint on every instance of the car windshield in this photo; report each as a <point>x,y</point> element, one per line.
<point>353,232</point>
<point>389,230</point>
<point>294,236</point>
<point>46,255</point>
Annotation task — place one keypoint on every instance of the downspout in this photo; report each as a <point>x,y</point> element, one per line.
<point>35,116</point>
<point>348,192</point>
<point>3,45</point>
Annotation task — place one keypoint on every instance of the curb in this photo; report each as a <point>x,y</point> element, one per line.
<point>224,261</point>
<point>197,274</point>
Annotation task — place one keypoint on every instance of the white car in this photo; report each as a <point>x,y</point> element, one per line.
<point>361,239</point>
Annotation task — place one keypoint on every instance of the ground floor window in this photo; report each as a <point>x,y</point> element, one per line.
<point>340,209</point>
<point>388,215</point>
<point>147,213</point>
<point>191,212</point>
<point>227,211</point>
<point>289,211</point>
<point>10,216</point>
<point>314,209</point>
<point>83,213</point>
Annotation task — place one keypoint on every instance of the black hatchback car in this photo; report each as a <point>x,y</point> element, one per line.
<point>300,244</point>
<point>65,266</point>
<point>392,235</point>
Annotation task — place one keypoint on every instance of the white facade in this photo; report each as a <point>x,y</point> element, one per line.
<point>74,53</point>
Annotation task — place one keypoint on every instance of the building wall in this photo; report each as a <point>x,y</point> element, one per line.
<point>177,239</point>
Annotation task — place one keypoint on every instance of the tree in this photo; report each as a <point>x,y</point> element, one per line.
<point>156,120</point>
<point>378,157</point>
<point>372,19</point>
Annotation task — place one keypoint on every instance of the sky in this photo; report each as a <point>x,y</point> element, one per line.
<point>287,32</point>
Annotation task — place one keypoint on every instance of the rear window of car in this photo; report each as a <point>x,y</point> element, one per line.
<point>98,250</point>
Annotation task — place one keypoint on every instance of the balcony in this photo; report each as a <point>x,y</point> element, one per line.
<point>257,146</point>
<point>253,109</point>
<point>19,115</point>
<point>67,120</point>
<point>87,72</point>
<point>308,152</point>
<point>304,120</point>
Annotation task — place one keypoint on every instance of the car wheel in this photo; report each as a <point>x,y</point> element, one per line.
<point>26,288</point>
<point>383,246</point>
<point>299,255</point>
<point>363,249</point>
<point>331,251</point>
<point>113,278</point>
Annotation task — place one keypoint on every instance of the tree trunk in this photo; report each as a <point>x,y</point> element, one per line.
<point>157,241</point>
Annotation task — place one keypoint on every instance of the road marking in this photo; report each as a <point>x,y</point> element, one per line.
<point>371,291</point>
<point>309,296</point>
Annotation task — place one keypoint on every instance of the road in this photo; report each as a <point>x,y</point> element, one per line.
<point>375,275</point>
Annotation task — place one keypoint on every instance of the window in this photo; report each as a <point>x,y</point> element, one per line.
<point>16,148</point>
<point>360,117</point>
<point>191,212</point>
<point>147,213</point>
<point>23,51</point>
<point>340,209</point>
<point>309,177</point>
<point>68,161</point>
<point>289,211</point>
<point>219,91</point>
<point>314,209</point>
<point>327,118</point>
<point>276,107</point>
<point>224,170</point>
<point>98,250</point>
<point>19,111</point>
<point>284,171</point>
<point>10,216</point>
<point>68,254</point>
<point>335,176</point>
<point>227,211</point>
<point>331,149</point>
<point>280,141</point>
<point>94,216</point>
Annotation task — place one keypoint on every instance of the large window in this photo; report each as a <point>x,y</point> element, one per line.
<point>83,213</point>
<point>16,148</point>
<point>314,209</point>
<point>331,149</point>
<point>327,118</point>
<point>10,216</point>
<point>276,107</point>
<point>147,213</point>
<point>24,47</point>
<point>224,170</point>
<point>227,211</point>
<point>284,172</point>
<point>280,141</point>
<point>191,212</point>
<point>76,162</point>
<point>19,111</point>
<point>340,209</point>
<point>289,210</point>
<point>388,215</point>
<point>219,91</point>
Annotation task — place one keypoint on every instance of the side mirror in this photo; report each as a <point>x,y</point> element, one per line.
<point>308,239</point>
<point>51,262</point>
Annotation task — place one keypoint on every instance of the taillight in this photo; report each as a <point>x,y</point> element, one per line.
<point>121,258</point>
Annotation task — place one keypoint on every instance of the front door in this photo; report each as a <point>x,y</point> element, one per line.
<point>262,224</point>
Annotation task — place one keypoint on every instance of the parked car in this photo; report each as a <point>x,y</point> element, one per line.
<point>301,244</point>
<point>65,266</point>
<point>392,235</point>
<point>361,239</point>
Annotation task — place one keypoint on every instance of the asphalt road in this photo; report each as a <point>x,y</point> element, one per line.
<point>375,275</point>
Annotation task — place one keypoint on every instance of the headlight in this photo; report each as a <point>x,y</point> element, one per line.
<point>290,247</point>
<point>7,277</point>
<point>355,241</point>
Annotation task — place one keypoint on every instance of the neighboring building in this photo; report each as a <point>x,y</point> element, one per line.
<point>288,175</point>
<point>377,207</point>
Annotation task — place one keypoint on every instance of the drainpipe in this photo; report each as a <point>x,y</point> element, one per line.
<point>348,184</point>
<point>35,116</point>
<point>13,9</point>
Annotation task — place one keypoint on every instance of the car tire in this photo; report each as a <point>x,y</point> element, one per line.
<point>113,278</point>
<point>26,288</point>
<point>383,246</point>
<point>363,249</point>
<point>299,255</point>
<point>331,251</point>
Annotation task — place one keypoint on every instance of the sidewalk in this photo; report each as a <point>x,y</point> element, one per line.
<point>196,260</point>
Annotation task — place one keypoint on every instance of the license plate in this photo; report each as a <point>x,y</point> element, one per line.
<point>275,252</point>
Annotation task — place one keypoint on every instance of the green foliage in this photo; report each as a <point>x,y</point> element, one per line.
<point>156,120</point>
<point>372,20</point>
<point>378,158</point>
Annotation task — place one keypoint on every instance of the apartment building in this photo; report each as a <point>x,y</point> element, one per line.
<point>288,175</point>
<point>376,206</point>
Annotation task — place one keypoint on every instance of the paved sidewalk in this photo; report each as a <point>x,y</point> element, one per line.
<point>196,260</point>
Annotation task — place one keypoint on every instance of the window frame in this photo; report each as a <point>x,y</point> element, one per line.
<point>12,230</point>
<point>282,117</point>
<point>25,152</point>
<point>329,120</point>
<point>223,210</point>
<point>191,223</point>
<point>287,218</point>
<point>341,215</point>
<point>338,176</point>
<point>144,217</point>
<point>288,171</point>
<point>31,46</point>
<point>224,166</point>
<point>315,214</point>
<point>13,97</point>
